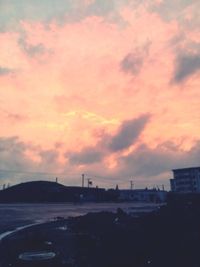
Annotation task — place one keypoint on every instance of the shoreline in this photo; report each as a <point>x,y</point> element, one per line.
<point>55,236</point>
<point>109,239</point>
<point>135,209</point>
<point>8,233</point>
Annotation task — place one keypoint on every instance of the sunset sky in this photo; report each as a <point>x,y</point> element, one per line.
<point>109,88</point>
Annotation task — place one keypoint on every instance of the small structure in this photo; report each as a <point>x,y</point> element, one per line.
<point>186,180</point>
<point>143,195</point>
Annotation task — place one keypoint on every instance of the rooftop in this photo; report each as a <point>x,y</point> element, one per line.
<point>188,168</point>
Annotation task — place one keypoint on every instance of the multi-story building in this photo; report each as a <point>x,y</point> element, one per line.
<point>186,180</point>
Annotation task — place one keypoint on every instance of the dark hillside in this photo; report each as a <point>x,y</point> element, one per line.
<point>39,191</point>
<point>45,191</point>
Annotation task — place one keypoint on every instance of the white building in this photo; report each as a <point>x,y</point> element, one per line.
<point>186,180</point>
<point>143,195</point>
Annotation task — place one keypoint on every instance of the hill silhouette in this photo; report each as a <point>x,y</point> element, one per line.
<point>45,191</point>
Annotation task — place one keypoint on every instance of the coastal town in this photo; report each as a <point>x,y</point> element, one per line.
<point>185,180</point>
<point>168,229</point>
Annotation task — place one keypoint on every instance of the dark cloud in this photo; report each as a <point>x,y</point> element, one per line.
<point>12,154</point>
<point>146,162</point>
<point>128,133</point>
<point>109,10</point>
<point>147,166</point>
<point>48,157</point>
<point>173,9</point>
<point>12,12</point>
<point>88,155</point>
<point>151,162</point>
<point>100,7</point>
<point>17,166</point>
<point>31,50</point>
<point>5,71</point>
<point>132,63</point>
<point>186,65</point>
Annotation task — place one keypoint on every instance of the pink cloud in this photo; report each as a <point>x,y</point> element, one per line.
<point>76,86</point>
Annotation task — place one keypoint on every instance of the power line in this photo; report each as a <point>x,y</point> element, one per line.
<point>120,180</point>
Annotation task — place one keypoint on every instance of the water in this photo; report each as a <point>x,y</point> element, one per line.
<point>13,216</point>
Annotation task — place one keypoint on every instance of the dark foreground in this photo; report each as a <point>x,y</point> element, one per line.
<point>168,237</point>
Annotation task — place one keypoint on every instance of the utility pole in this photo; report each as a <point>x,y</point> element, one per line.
<point>83,179</point>
<point>131,184</point>
<point>56,179</point>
